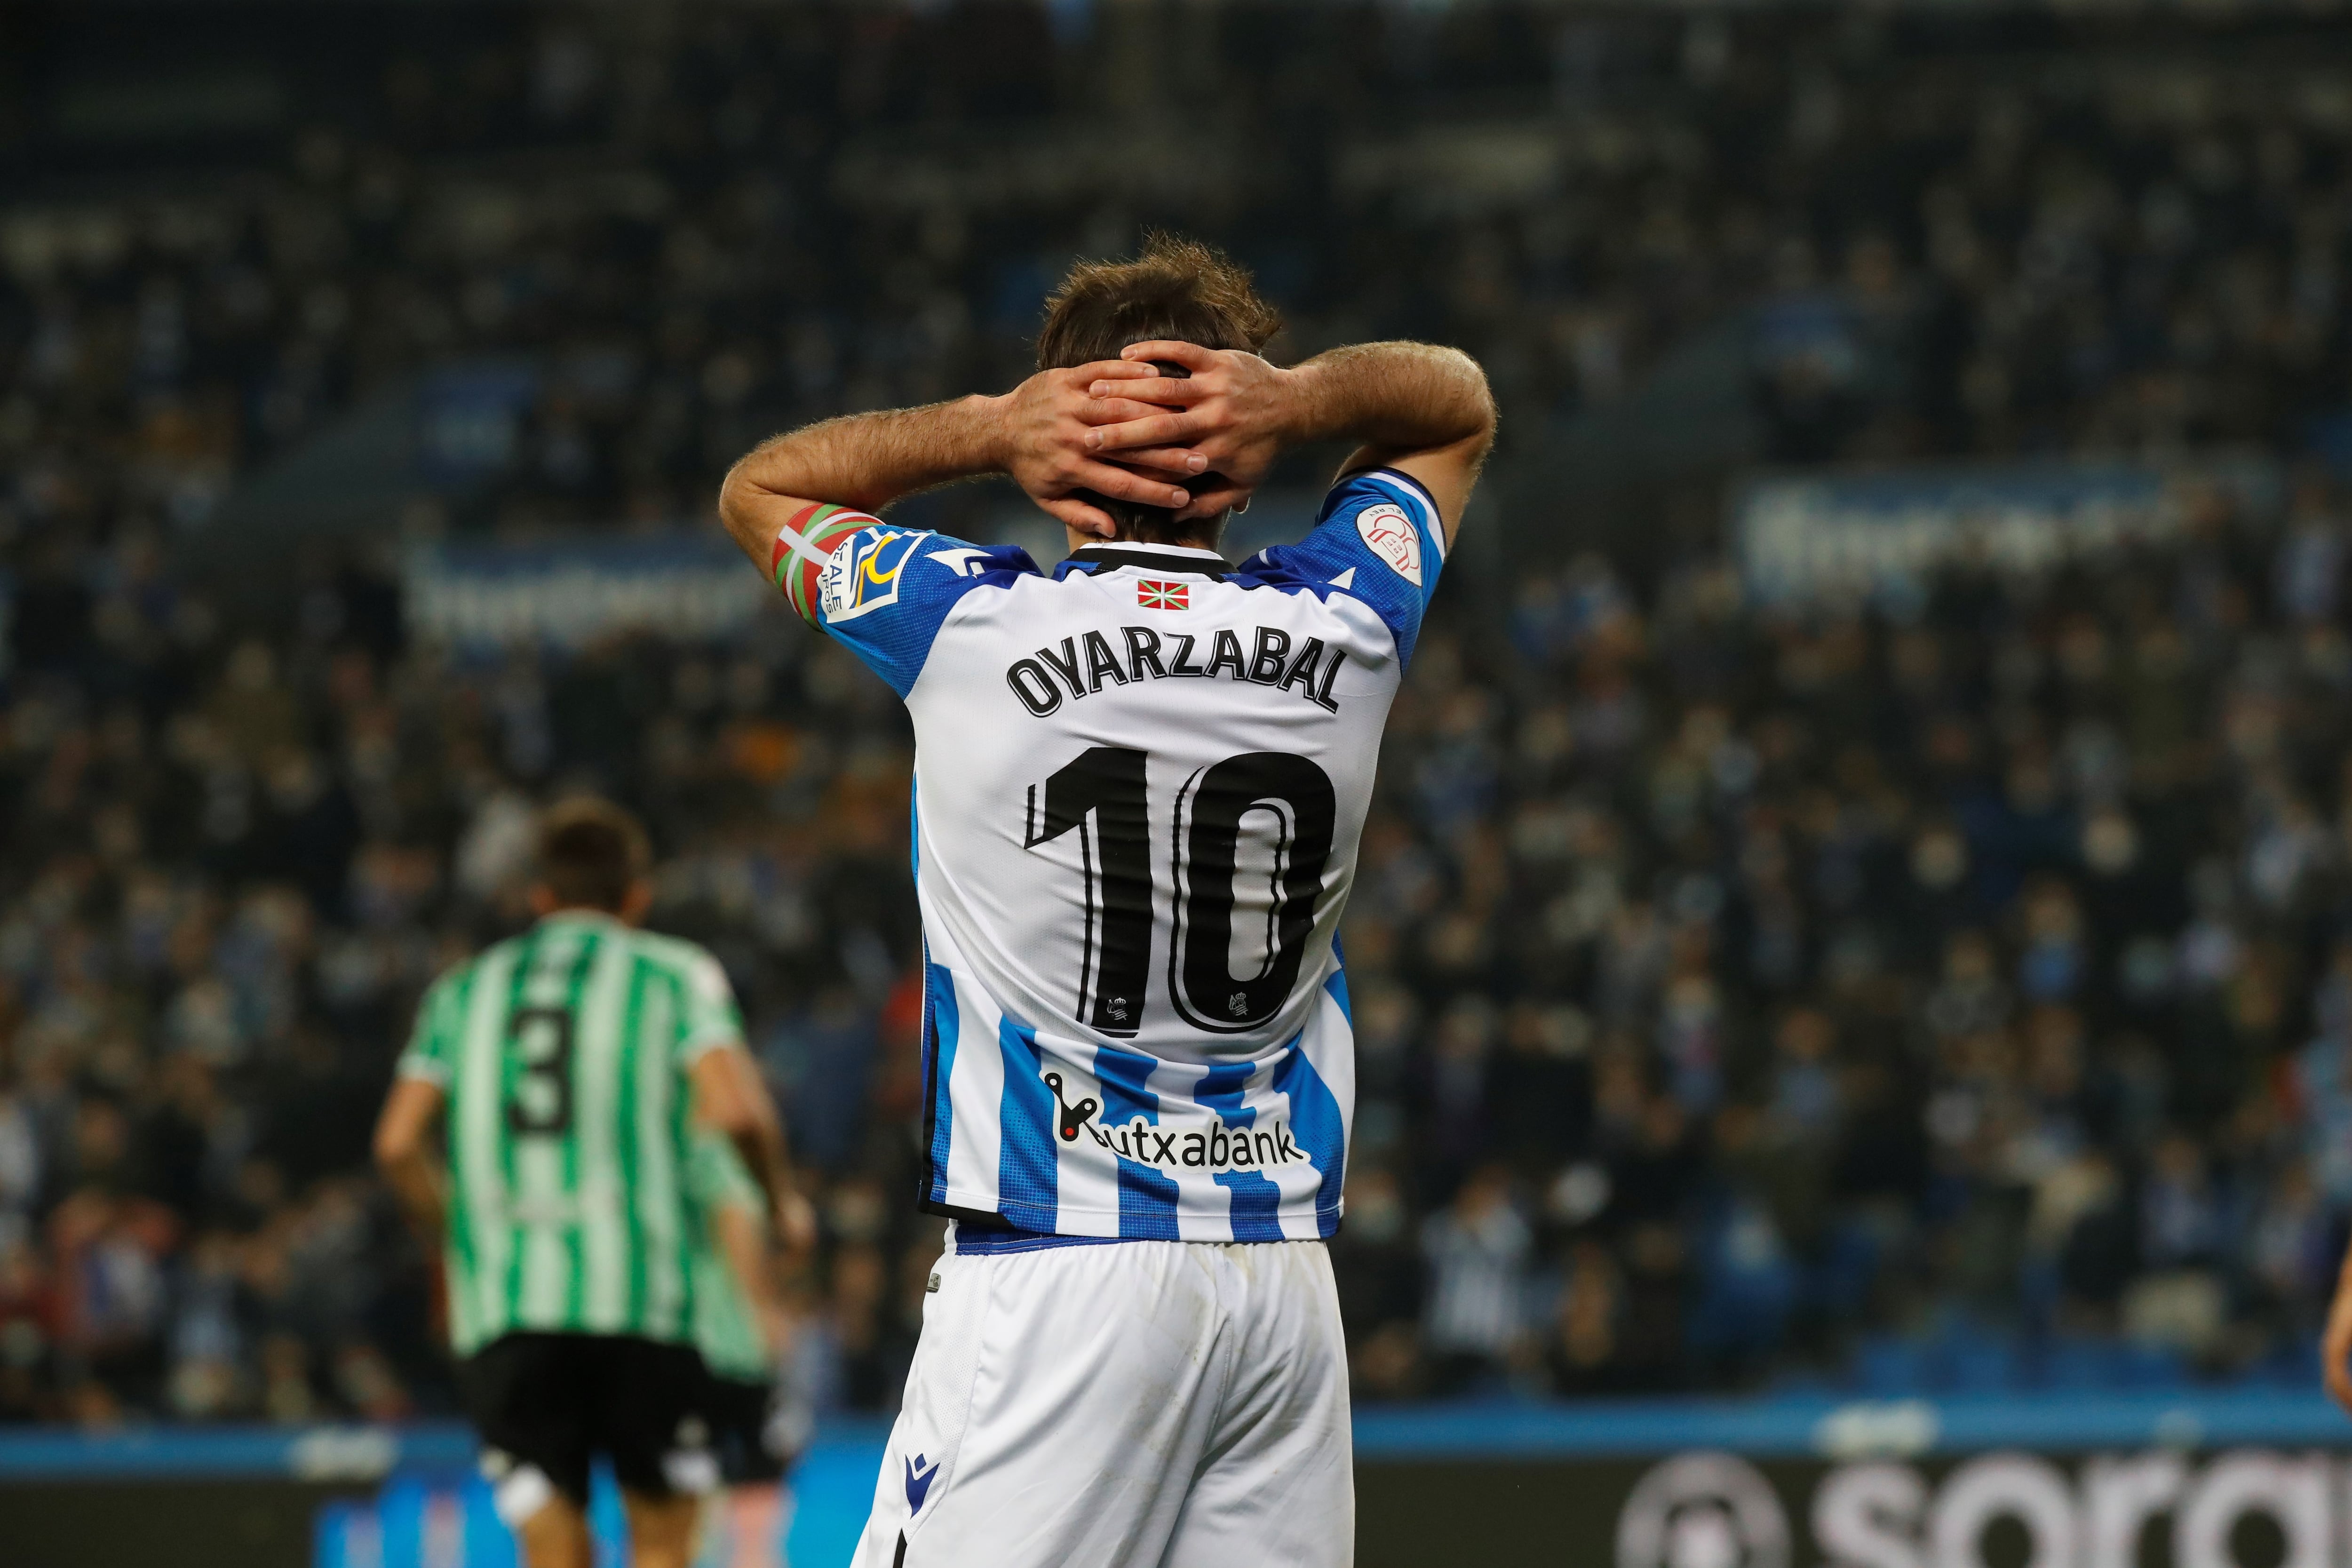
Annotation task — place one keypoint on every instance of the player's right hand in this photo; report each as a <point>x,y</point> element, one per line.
<point>1044,424</point>
<point>1232,413</point>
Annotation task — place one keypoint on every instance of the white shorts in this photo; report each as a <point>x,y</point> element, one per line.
<point>1131,1405</point>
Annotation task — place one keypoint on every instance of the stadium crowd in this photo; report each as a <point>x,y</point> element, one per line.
<point>1732,987</point>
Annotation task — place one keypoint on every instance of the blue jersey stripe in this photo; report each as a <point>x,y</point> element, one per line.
<point>996,1243</point>
<point>940,1042</point>
<point>1221,1089</point>
<point>1338,986</point>
<point>1026,1184</point>
<point>1255,1205</point>
<point>1315,1117</point>
<point>1147,1199</point>
<point>1147,1203</point>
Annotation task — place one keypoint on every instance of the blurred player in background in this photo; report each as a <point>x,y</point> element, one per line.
<point>756,1410</point>
<point>574,1064</point>
<point>1140,780</point>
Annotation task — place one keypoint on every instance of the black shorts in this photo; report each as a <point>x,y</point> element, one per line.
<point>554,1402</point>
<point>737,1413</point>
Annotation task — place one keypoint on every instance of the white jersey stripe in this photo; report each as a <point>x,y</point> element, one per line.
<point>603,1243</point>
<point>976,1145</point>
<point>1089,1188</point>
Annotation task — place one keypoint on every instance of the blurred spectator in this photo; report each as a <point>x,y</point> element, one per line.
<point>1479,1251</point>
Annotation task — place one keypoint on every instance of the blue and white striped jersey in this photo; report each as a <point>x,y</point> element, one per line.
<point>1140,780</point>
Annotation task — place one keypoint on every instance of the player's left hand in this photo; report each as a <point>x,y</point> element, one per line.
<point>796,1227</point>
<point>1234,408</point>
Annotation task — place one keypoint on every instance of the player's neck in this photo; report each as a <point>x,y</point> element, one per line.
<point>1189,546</point>
<point>584,912</point>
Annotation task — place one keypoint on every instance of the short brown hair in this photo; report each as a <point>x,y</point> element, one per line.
<point>1178,290</point>
<point>591,853</point>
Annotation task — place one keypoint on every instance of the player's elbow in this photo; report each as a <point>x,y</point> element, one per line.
<point>760,476</point>
<point>737,497</point>
<point>1477,412</point>
<point>396,1146</point>
<point>729,1096</point>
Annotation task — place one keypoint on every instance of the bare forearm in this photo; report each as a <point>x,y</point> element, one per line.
<point>743,1237</point>
<point>1397,396</point>
<point>406,1157</point>
<point>762,1147</point>
<point>731,1099</point>
<point>419,1187</point>
<point>864,461</point>
<point>1034,433</point>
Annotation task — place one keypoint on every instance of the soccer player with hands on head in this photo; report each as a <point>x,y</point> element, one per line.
<point>1140,781</point>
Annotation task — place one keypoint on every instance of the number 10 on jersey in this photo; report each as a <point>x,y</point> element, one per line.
<point>1282,805</point>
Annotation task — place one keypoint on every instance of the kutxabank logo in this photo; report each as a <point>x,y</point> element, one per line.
<point>1703,1510</point>
<point>1074,1117</point>
<point>1212,1146</point>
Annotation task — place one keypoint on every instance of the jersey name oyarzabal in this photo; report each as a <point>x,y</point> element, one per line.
<point>1139,784</point>
<point>1081,664</point>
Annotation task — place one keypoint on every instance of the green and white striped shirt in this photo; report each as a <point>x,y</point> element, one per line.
<point>564,1054</point>
<point>725,1329</point>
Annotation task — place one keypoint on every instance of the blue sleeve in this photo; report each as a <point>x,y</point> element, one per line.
<point>1378,539</point>
<point>885,590</point>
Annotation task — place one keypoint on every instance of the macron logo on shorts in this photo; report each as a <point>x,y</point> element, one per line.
<point>918,1482</point>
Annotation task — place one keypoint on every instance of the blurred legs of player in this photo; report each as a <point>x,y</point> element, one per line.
<point>661,1529</point>
<point>743,1526</point>
<point>750,1530</point>
<point>757,1431</point>
<point>557,1536</point>
<point>546,1405</point>
<point>661,1532</point>
<point>1138,1405</point>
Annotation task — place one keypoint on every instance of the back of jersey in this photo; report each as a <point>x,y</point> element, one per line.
<point>1139,785</point>
<point>564,1053</point>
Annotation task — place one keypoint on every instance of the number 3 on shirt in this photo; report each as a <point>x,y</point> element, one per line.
<point>1102,793</point>
<point>541,1100</point>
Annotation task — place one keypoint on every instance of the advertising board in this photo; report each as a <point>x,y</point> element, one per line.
<point>2244,1477</point>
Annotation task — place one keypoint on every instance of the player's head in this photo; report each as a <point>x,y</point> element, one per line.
<point>592,856</point>
<point>1178,290</point>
